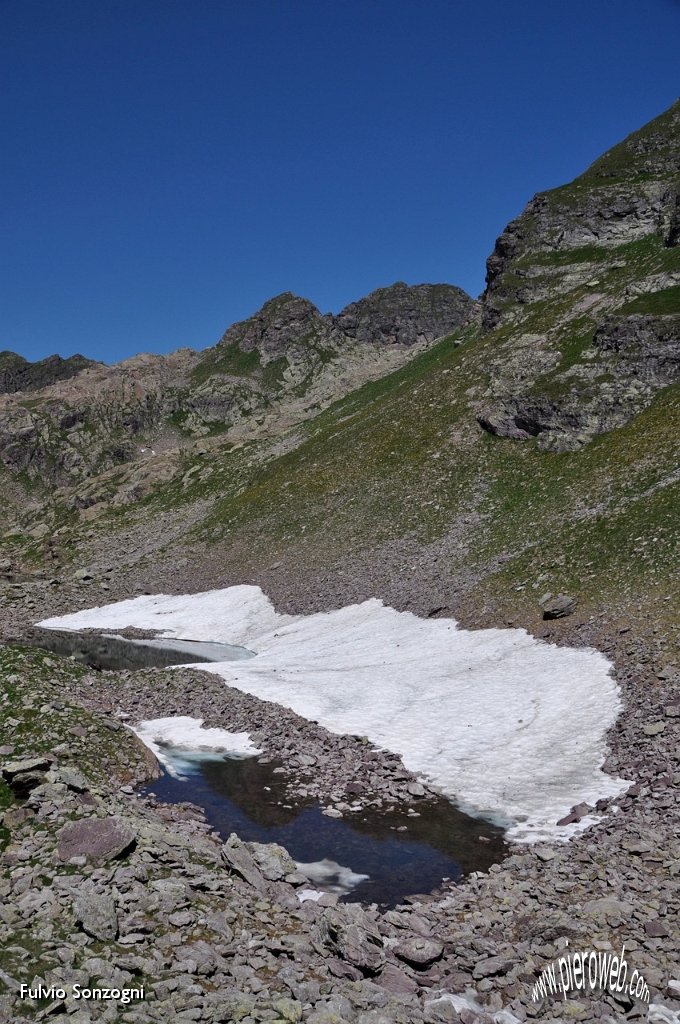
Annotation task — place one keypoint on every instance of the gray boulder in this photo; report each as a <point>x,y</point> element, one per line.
<point>273,860</point>
<point>97,915</point>
<point>97,838</point>
<point>559,607</point>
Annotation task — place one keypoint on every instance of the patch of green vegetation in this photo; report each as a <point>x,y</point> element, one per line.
<point>565,257</point>
<point>632,157</point>
<point>227,359</point>
<point>660,303</point>
<point>32,681</point>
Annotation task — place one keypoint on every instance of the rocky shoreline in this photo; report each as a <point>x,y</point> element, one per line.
<point>211,936</point>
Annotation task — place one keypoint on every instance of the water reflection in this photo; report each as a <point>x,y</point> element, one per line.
<point>248,798</point>
<point>116,653</point>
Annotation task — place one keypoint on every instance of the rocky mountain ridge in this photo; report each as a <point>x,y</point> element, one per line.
<point>17,374</point>
<point>583,297</point>
<point>345,446</point>
<point>285,362</point>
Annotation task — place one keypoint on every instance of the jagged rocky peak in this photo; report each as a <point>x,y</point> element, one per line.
<point>404,314</point>
<point>630,193</point>
<point>583,291</point>
<point>283,321</point>
<point>653,149</point>
<point>401,314</point>
<point>18,374</point>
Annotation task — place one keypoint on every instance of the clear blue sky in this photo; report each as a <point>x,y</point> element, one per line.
<point>168,165</point>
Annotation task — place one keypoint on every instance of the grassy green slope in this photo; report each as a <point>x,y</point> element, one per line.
<point>403,461</point>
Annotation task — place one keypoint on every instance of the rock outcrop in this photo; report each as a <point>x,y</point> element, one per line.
<point>17,374</point>
<point>583,297</point>
<point>404,315</point>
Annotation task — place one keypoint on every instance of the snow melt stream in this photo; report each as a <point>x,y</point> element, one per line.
<point>506,725</point>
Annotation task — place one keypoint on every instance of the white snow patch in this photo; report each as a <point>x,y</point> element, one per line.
<point>470,1002</point>
<point>308,894</point>
<point>180,743</point>
<point>506,725</point>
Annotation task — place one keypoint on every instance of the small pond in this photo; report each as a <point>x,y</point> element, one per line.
<point>115,653</point>
<point>401,854</point>
<point>243,796</point>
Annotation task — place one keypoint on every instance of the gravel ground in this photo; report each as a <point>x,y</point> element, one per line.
<point>488,939</point>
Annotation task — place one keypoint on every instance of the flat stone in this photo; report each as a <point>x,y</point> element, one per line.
<point>490,967</point>
<point>98,838</point>
<point>418,951</point>
<point>608,906</point>
<point>339,969</point>
<point>396,981</point>
<point>26,764</point>
<point>16,816</point>
<point>637,846</point>
<point>654,729</point>
<point>441,1011</point>
<point>74,779</point>
<point>656,929</point>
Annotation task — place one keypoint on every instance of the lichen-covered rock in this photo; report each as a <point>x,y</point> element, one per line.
<point>418,951</point>
<point>273,860</point>
<point>97,914</point>
<point>238,857</point>
<point>559,607</point>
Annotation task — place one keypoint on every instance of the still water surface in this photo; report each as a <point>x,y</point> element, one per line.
<point>243,796</point>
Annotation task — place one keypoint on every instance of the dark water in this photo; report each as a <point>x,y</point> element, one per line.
<point>443,843</point>
<point>115,654</point>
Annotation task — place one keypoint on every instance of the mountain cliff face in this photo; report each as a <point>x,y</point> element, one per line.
<point>583,294</point>
<point>405,315</point>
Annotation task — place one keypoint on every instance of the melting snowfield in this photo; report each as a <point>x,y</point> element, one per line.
<point>506,725</point>
<point>181,744</point>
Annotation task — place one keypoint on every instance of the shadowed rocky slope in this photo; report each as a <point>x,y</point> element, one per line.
<point>583,293</point>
